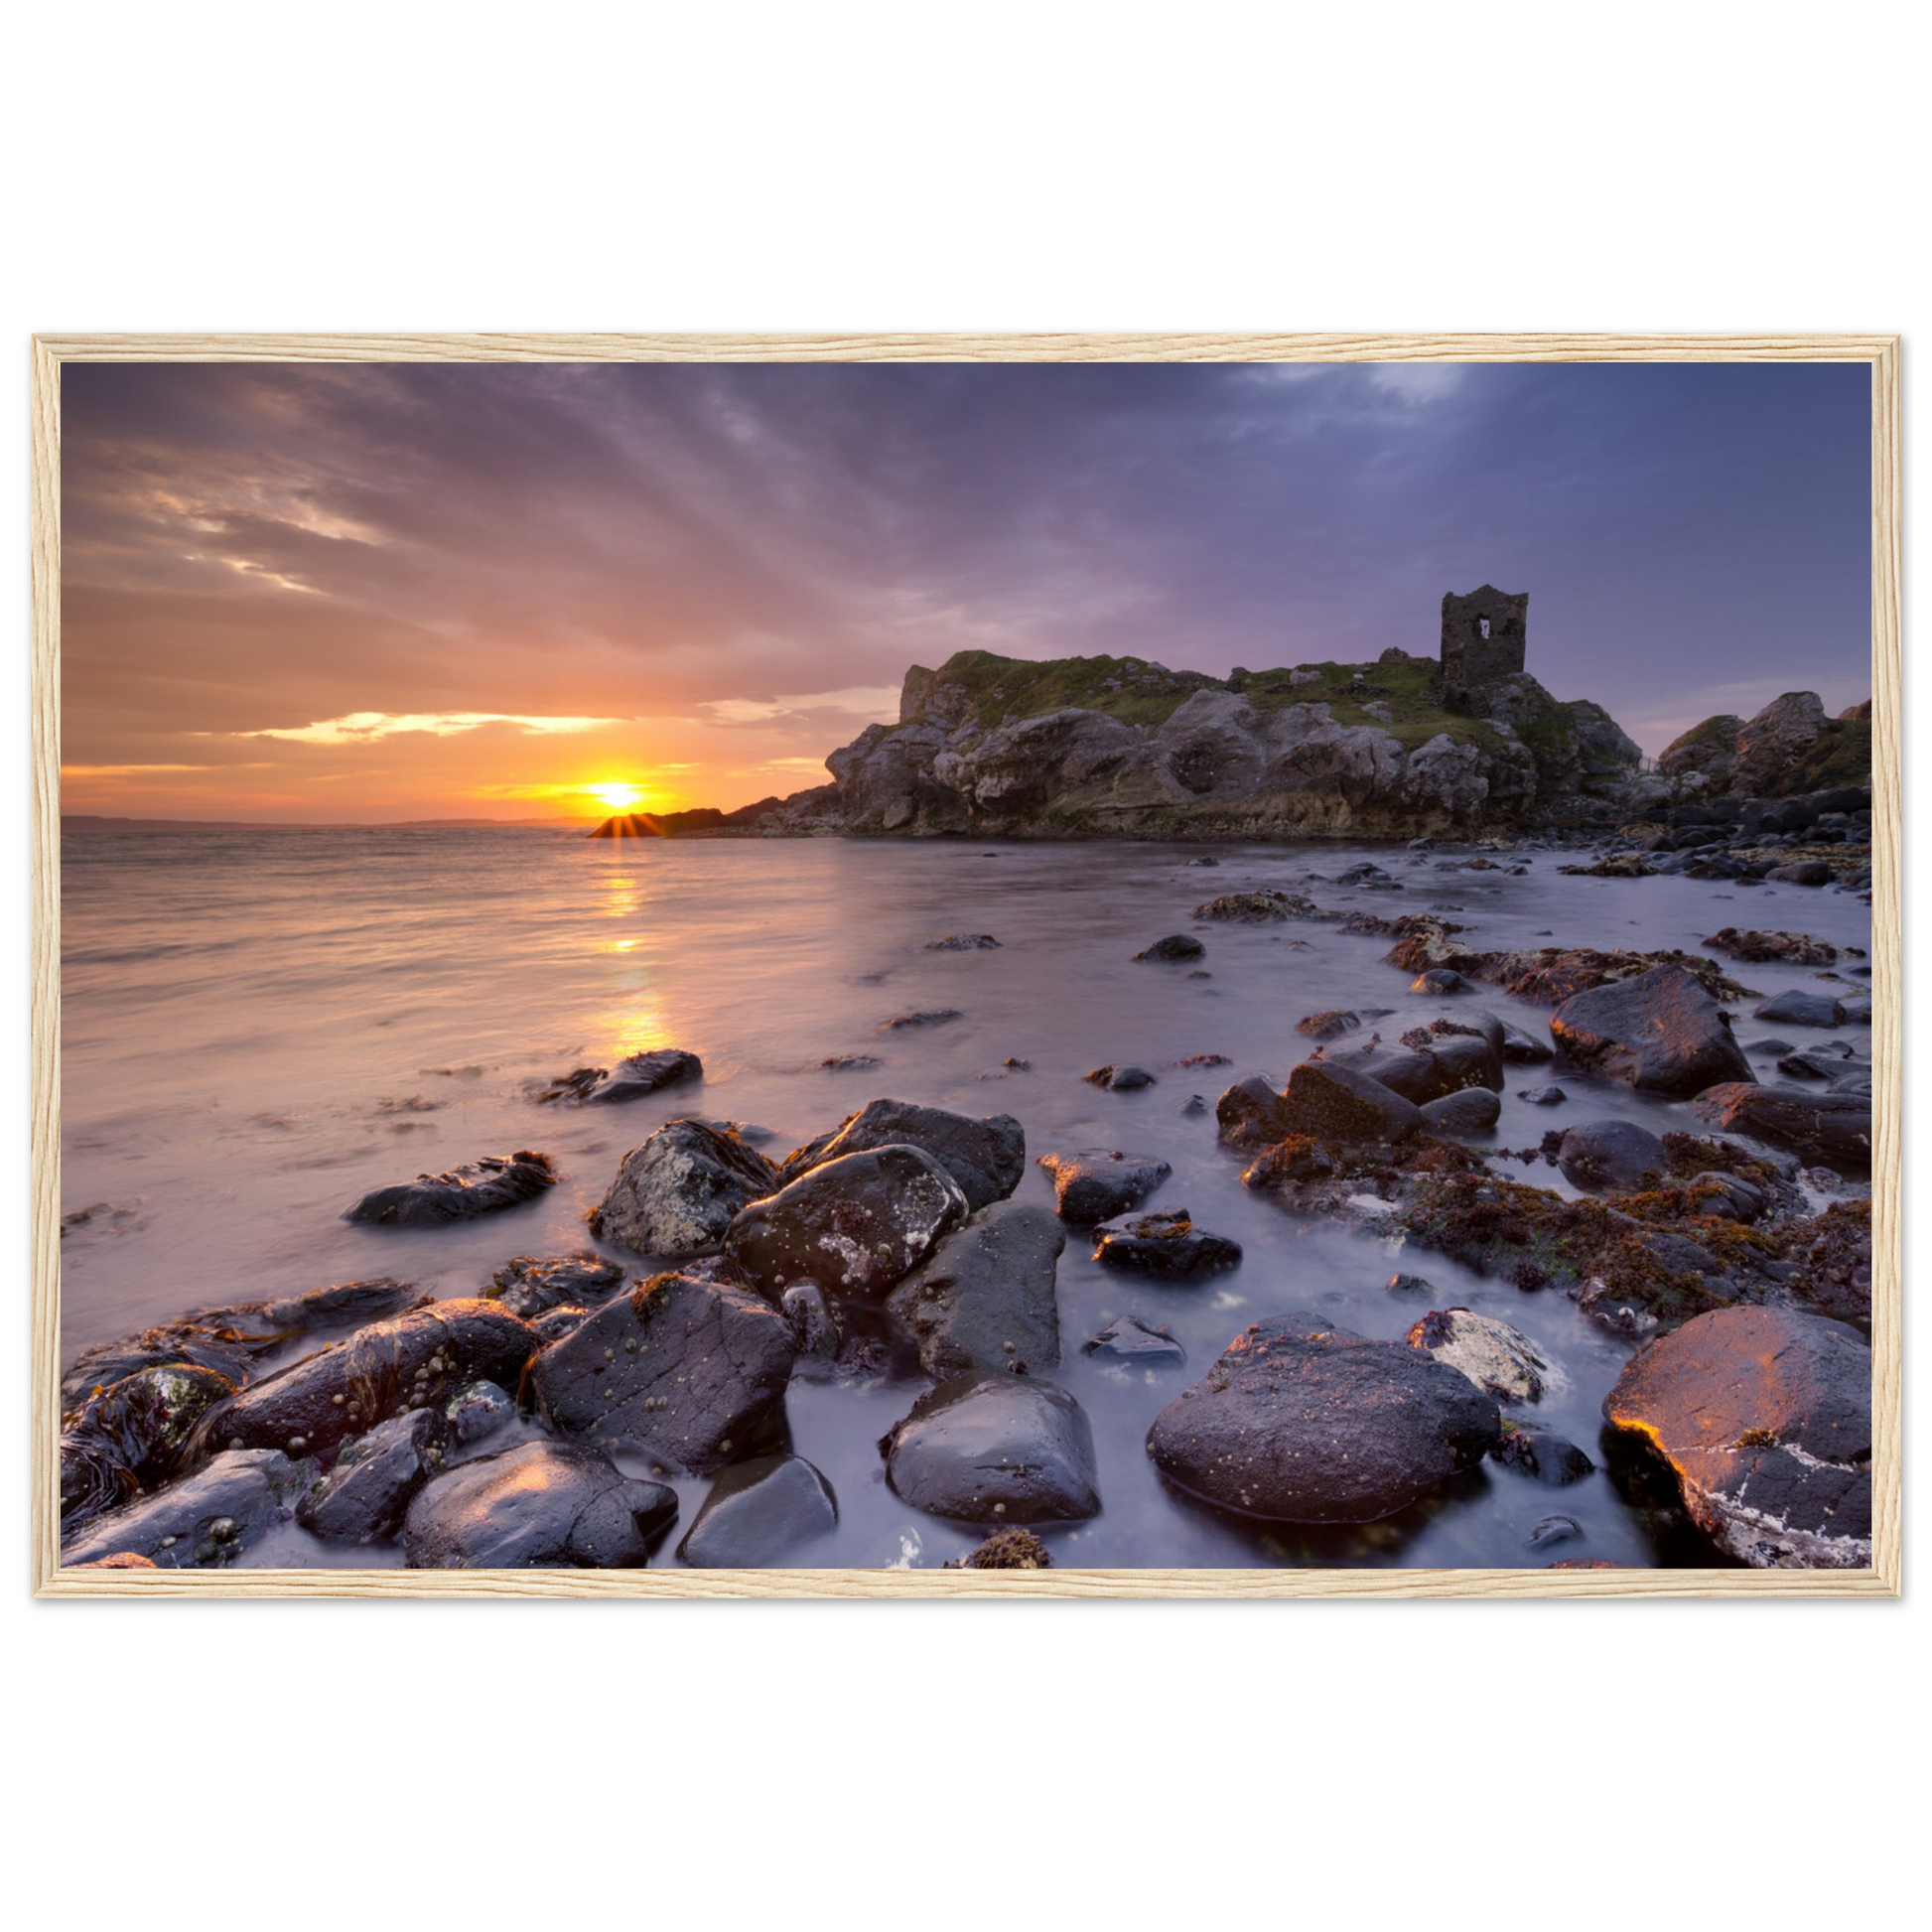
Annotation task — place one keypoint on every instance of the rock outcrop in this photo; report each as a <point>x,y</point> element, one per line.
<point>1789,747</point>
<point>1101,747</point>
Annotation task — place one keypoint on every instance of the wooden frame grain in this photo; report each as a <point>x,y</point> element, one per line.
<point>1879,352</point>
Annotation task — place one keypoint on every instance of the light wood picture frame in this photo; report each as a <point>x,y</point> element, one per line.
<point>1879,353</point>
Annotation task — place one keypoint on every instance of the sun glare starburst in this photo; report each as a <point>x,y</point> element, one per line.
<point>620,797</point>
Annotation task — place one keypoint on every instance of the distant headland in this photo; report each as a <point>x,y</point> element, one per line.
<point>1465,743</point>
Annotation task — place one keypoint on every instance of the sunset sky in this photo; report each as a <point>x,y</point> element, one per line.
<point>403,591</point>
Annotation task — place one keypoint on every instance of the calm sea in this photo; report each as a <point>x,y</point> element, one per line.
<point>258,1028</point>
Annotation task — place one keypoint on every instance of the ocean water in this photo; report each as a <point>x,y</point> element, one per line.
<point>259,1027</point>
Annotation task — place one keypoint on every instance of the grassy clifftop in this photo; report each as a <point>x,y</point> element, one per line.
<point>991,690</point>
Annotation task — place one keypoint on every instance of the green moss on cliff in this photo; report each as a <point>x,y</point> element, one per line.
<point>1006,689</point>
<point>1841,755</point>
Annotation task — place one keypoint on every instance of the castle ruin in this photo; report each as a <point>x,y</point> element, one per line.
<point>1482,643</point>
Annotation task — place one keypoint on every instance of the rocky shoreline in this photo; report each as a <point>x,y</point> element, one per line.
<point>1731,1253</point>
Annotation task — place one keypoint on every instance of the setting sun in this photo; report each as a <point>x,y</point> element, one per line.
<point>620,797</point>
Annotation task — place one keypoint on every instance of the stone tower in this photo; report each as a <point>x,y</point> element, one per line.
<point>1482,643</point>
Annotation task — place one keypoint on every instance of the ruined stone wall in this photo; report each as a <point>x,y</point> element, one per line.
<point>1483,643</point>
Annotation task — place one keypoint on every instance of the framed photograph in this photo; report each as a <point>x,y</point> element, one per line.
<point>1185,966</point>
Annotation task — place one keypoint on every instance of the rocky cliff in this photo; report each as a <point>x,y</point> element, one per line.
<point>1119,748</point>
<point>1789,747</point>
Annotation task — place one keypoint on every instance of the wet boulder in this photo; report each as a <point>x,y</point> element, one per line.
<point>964,943</point>
<point>1301,1422</point>
<point>556,1323</point>
<point>131,1436</point>
<point>1502,1361</point>
<point>1833,1127</point>
<point>1541,1453</point>
<point>1549,1096</point>
<point>1329,1102</point>
<point>1162,1243</point>
<point>687,1370</point>
<point>375,1479</point>
<point>538,1506</point>
<point>1660,1032</point>
<point>1804,872</point>
<point>856,1225</point>
<point>985,1158</point>
<point>643,1073</point>
<point>314,1405</point>
<point>1612,1157</point>
<point>765,1511</point>
<point>1251,1112</point>
<point>1797,1007</point>
<point>486,1186</point>
<point>1120,1079</point>
<point>342,1305</point>
<point>991,1448</point>
<point>679,1191</point>
<point>1328,1024</point>
<point>205,1521</point>
<point>532,1285</point>
<point>815,1329</point>
<point>987,1296</point>
<point>1129,1342</point>
<point>1440,981</point>
<point>1470,1110</point>
<point>1177,945</point>
<point>1095,1183</point>
<point>1524,1049</point>
<point>1764,1417</point>
<point>477,1410</point>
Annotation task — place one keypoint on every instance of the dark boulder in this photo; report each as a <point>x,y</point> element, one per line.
<point>1764,1416</point>
<point>487,1187</point>
<point>1524,1049</point>
<point>1303,1423</point>
<point>930,1016</point>
<point>1328,1024</point>
<point>679,1191</point>
<point>1612,1157</point>
<point>1120,1079</point>
<point>991,1448</point>
<point>1129,1342</point>
<point>1550,1096</point>
<point>1471,1110</point>
<point>1799,1009</point>
<point>1251,1112</point>
<point>1177,945</point>
<point>538,1506</point>
<point>643,1073</point>
<point>815,1329</point>
<point>533,1284</point>
<point>1834,1126</point>
<point>1095,1183</point>
<point>761,1512</point>
<point>1440,980</point>
<point>1329,1102</point>
<point>985,1157</point>
<point>857,1226</point>
<point>131,1436</point>
<point>1541,1453</point>
<point>987,1296</point>
<point>363,1497</point>
<point>1806,871</point>
<point>964,943</point>
<point>685,1369</point>
<point>380,1371</point>
<point>342,1305</point>
<point>557,1323</point>
<point>1162,1243</point>
<point>477,1410</point>
<point>206,1521</point>
<point>1659,1031</point>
